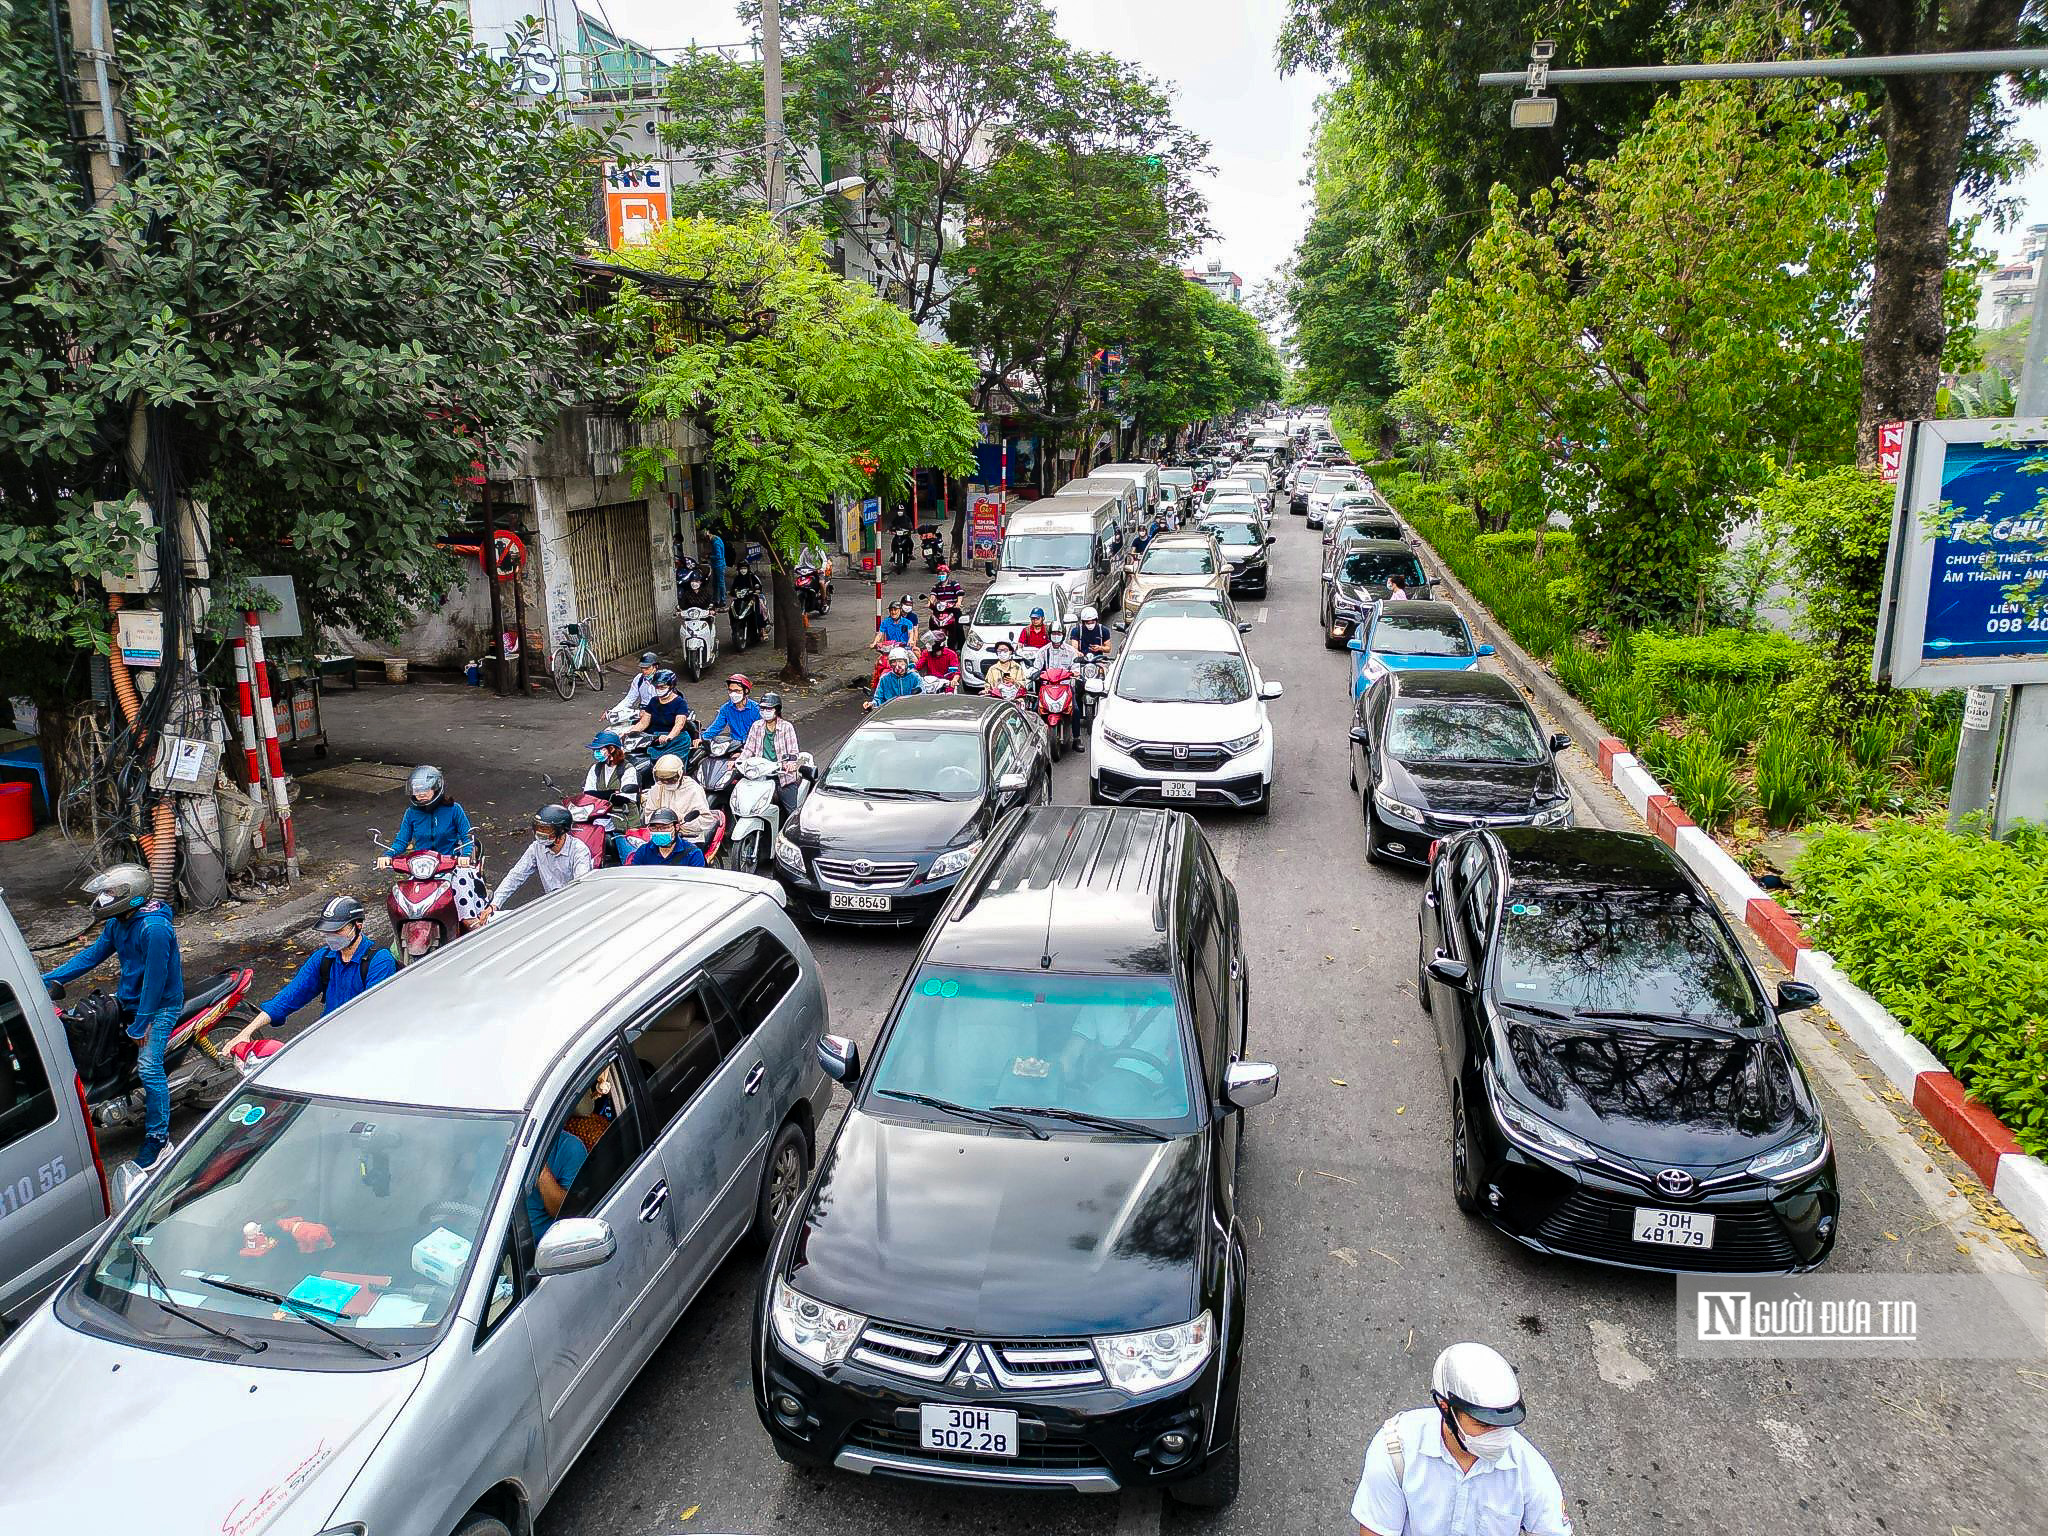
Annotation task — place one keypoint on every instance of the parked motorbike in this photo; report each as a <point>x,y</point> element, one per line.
<point>105,1057</point>
<point>700,641</point>
<point>930,537</point>
<point>813,590</point>
<point>421,902</point>
<point>756,817</point>
<point>899,550</point>
<point>1056,707</point>
<point>749,609</point>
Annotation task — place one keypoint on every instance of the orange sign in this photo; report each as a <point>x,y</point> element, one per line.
<point>635,201</point>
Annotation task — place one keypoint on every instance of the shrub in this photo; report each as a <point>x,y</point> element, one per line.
<point>1658,752</point>
<point>1786,782</point>
<point>1522,541</point>
<point>1582,669</point>
<point>1937,755</point>
<point>1834,777</point>
<point>1951,934</point>
<point>1720,655</point>
<point>1875,741</point>
<point>1702,779</point>
<point>1629,707</point>
<point>1737,717</point>
<point>1836,524</point>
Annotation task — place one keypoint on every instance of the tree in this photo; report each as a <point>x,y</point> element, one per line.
<point>340,262</point>
<point>811,386</point>
<point>1664,335</point>
<point>1191,356</point>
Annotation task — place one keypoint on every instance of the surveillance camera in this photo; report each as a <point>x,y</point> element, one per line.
<point>1543,48</point>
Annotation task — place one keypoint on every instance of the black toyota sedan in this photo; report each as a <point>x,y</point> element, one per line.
<point>905,804</point>
<point>1434,752</point>
<point>1621,1089</point>
<point>1022,1263</point>
<point>1357,580</point>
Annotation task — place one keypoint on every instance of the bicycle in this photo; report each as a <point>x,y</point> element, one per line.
<point>574,660</point>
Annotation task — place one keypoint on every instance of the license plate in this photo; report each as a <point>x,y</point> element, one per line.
<point>850,901</point>
<point>1674,1229</point>
<point>1177,789</point>
<point>973,1431</point>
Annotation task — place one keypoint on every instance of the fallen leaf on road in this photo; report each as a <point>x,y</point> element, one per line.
<point>1345,1256</point>
<point>689,1512</point>
<point>1387,1256</point>
<point>1340,1082</point>
<point>1891,1237</point>
<point>1322,1175</point>
<point>1400,1109</point>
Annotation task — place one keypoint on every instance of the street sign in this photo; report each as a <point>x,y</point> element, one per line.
<point>1891,450</point>
<point>871,511</point>
<point>635,202</point>
<point>985,531</point>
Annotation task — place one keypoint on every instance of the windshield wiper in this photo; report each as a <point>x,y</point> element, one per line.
<point>254,1346</point>
<point>1544,1009</point>
<point>964,1111</point>
<point>296,1305</point>
<point>1652,1016</point>
<point>1082,1117</point>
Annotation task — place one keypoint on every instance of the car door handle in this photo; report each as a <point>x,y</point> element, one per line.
<point>755,1079</point>
<point>1429,898</point>
<point>657,1197</point>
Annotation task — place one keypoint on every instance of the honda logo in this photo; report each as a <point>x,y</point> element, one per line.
<point>1675,1182</point>
<point>1180,753</point>
<point>972,1374</point>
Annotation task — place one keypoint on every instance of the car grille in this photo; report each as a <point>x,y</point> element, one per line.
<point>1747,1238</point>
<point>1037,1448</point>
<point>875,876</point>
<point>1016,1365</point>
<point>1165,757</point>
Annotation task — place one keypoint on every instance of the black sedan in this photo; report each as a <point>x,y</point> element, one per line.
<point>903,807</point>
<point>1621,1089</point>
<point>1358,579</point>
<point>1435,752</point>
<point>1243,541</point>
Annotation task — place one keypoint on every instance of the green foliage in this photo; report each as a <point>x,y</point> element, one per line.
<point>1702,779</point>
<point>1787,786</point>
<point>1629,707</point>
<point>1735,715</point>
<point>1836,523</point>
<point>1528,541</point>
<point>1722,655</point>
<point>1507,580</point>
<point>1951,934</point>
<point>1936,759</point>
<point>1193,357</point>
<point>1876,742</point>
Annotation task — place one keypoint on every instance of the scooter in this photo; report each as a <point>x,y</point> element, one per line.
<point>105,1057</point>
<point>899,550</point>
<point>590,817</point>
<point>693,585</point>
<point>421,902</point>
<point>946,616</point>
<point>813,591</point>
<point>627,841</point>
<point>1056,707</point>
<point>749,612</point>
<point>700,641</point>
<point>927,683</point>
<point>712,765</point>
<point>1094,669</point>
<point>930,537</point>
<point>756,815</point>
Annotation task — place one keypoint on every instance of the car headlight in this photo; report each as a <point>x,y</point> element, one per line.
<point>788,855</point>
<point>975,641</point>
<point>1531,1133</point>
<point>1393,807</point>
<point>1119,740</point>
<point>1243,743</point>
<point>821,1334</point>
<point>953,861</point>
<point>1555,815</point>
<point>1795,1159</point>
<point>1158,1357</point>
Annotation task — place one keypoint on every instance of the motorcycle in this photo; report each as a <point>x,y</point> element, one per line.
<point>927,683</point>
<point>1007,688</point>
<point>899,550</point>
<point>1056,707</point>
<point>813,591</point>
<point>693,584</point>
<point>945,615</point>
<point>749,610</point>
<point>590,816</point>
<point>711,764</point>
<point>627,841</point>
<point>105,1057</point>
<point>1094,669</point>
<point>930,538</point>
<point>700,641</point>
<point>421,902</point>
<point>756,815</point>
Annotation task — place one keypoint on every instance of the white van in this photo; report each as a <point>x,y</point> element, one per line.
<point>1074,539</point>
<point>1123,488</point>
<point>1146,477</point>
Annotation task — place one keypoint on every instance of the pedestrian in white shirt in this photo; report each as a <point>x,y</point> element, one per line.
<point>1460,1467</point>
<point>553,854</point>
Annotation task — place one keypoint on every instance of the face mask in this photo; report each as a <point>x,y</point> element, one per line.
<point>663,839</point>
<point>1489,1445</point>
<point>597,754</point>
<point>338,941</point>
<point>768,715</point>
<point>547,839</point>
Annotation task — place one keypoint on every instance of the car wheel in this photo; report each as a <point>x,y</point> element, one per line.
<point>1215,1487</point>
<point>1422,979</point>
<point>1372,846</point>
<point>481,1524</point>
<point>1332,639</point>
<point>1463,1189</point>
<point>782,1180</point>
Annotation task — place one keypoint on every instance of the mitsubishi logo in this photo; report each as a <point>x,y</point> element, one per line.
<point>1179,752</point>
<point>1675,1182</point>
<point>972,1373</point>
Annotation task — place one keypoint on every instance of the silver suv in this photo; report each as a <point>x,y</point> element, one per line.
<point>407,1269</point>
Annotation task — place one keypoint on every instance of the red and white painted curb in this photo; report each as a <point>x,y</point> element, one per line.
<point>1975,1134</point>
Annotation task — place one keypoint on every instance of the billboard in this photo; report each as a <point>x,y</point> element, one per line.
<point>635,201</point>
<point>1966,579</point>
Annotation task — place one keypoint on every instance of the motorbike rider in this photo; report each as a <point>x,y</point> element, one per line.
<point>1006,668</point>
<point>433,823</point>
<point>938,659</point>
<point>1091,635</point>
<point>152,988</point>
<point>736,716</point>
<point>674,790</point>
<point>666,846</point>
<point>774,738</point>
<point>1062,653</point>
<point>899,628</point>
<point>345,965</point>
<point>948,594</point>
<point>641,689</point>
<point>666,716</point>
<point>553,854</point>
<point>897,682</point>
<point>1034,636</point>
<point>611,771</point>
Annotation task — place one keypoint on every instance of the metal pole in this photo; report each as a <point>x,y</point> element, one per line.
<point>1991,61</point>
<point>489,560</point>
<point>771,90</point>
<point>1969,790</point>
<point>2023,767</point>
<point>2031,399</point>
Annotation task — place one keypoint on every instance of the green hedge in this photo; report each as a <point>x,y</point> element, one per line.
<point>1522,541</point>
<point>1667,662</point>
<point>1951,934</point>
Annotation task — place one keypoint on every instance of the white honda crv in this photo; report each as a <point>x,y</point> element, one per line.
<point>1182,720</point>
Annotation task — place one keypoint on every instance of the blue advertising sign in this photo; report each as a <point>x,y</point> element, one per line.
<point>871,511</point>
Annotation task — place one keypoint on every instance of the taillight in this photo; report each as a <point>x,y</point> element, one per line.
<point>92,1140</point>
<point>1434,844</point>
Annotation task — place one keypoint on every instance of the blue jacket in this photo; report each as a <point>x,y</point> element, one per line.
<point>893,687</point>
<point>737,722</point>
<point>442,827</point>
<point>682,854</point>
<point>152,978</point>
<point>336,980</point>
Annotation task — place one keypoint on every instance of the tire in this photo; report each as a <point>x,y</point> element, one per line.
<point>696,670</point>
<point>1215,1486</point>
<point>1053,737</point>
<point>782,1180</point>
<point>1422,979</point>
<point>593,676</point>
<point>565,673</point>
<point>1094,793</point>
<point>1461,1157</point>
<point>481,1524</point>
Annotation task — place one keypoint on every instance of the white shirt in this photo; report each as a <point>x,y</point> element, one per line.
<point>555,869</point>
<point>1517,1493</point>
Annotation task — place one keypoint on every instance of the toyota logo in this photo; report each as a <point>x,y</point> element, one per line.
<point>863,867</point>
<point>972,1373</point>
<point>1675,1182</point>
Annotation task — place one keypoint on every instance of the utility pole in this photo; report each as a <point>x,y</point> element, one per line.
<point>771,90</point>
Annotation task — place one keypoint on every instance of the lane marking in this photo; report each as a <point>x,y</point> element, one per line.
<point>1262,613</point>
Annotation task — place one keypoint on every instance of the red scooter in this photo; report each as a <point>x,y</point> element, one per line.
<point>421,902</point>
<point>590,818</point>
<point>1056,707</point>
<point>105,1056</point>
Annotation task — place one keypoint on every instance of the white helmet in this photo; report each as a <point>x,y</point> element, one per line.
<point>1477,1380</point>
<point>1088,615</point>
<point>668,766</point>
<point>898,653</point>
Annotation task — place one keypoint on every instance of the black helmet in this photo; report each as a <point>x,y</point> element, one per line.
<point>339,913</point>
<point>772,701</point>
<point>665,678</point>
<point>555,818</point>
<point>664,818</point>
<point>649,659</point>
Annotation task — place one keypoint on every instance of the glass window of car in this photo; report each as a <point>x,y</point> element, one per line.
<point>1047,552</point>
<point>27,1102</point>
<point>679,1045</point>
<point>1179,560</point>
<point>1228,506</point>
<point>596,1138</point>
<point>756,972</point>
<point>1183,677</point>
<point>1105,1045</point>
<point>1588,948</point>
<point>1478,906</point>
<point>1010,747</point>
<point>1398,632</point>
<point>1375,567</point>
<point>363,1215</point>
<point>1464,731</point>
<point>1329,485</point>
<point>1012,608</point>
<point>1193,602</point>
<point>1235,535</point>
<point>907,762</point>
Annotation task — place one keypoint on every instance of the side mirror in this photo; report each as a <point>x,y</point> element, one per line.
<point>1250,1083</point>
<point>840,1057</point>
<point>1272,538</point>
<point>1486,650</point>
<point>1270,690</point>
<point>1452,973</point>
<point>1560,742</point>
<point>1098,685</point>
<point>1795,995</point>
<point>1244,626</point>
<point>572,1244</point>
<point>1329,578</point>
<point>1123,626</point>
<point>1360,735</point>
<point>1357,642</point>
<point>1013,784</point>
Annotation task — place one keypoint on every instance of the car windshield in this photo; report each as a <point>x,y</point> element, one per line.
<point>1406,634</point>
<point>1372,527</point>
<point>1098,1045</point>
<point>1185,605</point>
<point>1180,477</point>
<point>1047,552</point>
<point>1178,560</point>
<point>1183,677</point>
<point>1464,732</point>
<point>361,1215</point>
<point>1373,567</point>
<point>902,759</point>
<point>1011,608</point>
<point>1328,485</point>
<point>1577,948</point>
<point>1229,534</point>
